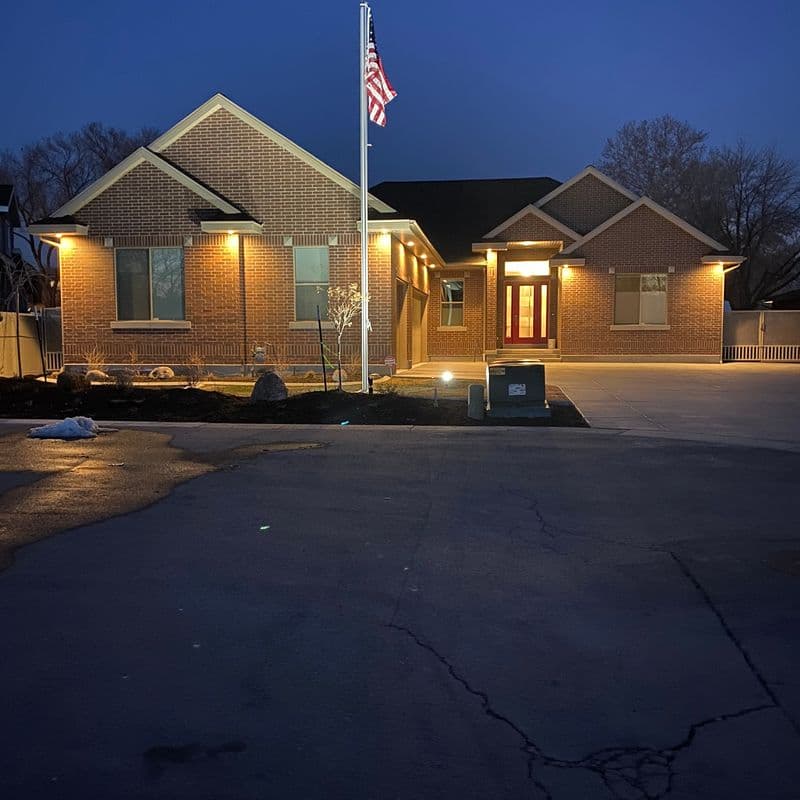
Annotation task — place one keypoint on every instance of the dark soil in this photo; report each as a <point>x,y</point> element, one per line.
<point>34,399</point>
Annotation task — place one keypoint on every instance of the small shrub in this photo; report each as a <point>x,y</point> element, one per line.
<point>123,378</point>
<point>195,369</point>
<point>95,359</point>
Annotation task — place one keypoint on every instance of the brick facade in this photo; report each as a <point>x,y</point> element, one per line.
<point>466,341</point>
<point>586,204</point>
<point>240,293</point>
<point>146,208</point>
<point>642,242</point>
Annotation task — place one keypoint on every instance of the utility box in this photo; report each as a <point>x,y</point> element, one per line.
<point>516,389</point>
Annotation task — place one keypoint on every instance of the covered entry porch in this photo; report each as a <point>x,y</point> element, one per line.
<point>523,288</point>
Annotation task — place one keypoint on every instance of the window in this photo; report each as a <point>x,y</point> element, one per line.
<point>149,283</point>
<point>311,277</point>
<point>452,303</point>
<point>640,299</point>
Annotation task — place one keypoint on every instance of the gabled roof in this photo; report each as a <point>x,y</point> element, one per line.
<point>537,212</point>
<point>645,202</point>
<point>594,172</point>
<point>220,101</point>
<point>136,158</point>
<point>456,213</point>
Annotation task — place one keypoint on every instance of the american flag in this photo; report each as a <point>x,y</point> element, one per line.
<point>379,90</point>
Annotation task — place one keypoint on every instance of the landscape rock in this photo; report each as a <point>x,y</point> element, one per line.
<point>162,373</point>
<point>334,378</point>
<point>96,375</point>
<point>72,381</point>
<point>269,388</point>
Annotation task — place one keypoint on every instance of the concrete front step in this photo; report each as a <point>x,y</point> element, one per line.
<point>540,355</point>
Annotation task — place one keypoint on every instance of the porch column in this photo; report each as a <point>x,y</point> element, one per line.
<point>491,300</point>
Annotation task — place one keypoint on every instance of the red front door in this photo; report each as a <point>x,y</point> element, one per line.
<point>526,312</point>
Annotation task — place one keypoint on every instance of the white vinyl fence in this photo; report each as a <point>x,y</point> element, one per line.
<point>761,336</point>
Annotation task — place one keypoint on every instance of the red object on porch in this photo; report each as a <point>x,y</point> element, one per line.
<point>526,312</point>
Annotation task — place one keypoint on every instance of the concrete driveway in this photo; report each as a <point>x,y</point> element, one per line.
<point>744,403</point>
<point>411,614</point>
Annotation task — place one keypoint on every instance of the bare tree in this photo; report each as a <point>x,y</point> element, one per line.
<point>343,305</point>
<point>746,198</point>
<point>50,171</point>
<point>657,158</point>
<point>752,204</point>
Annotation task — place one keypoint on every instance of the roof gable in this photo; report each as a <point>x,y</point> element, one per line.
<point>135,159</point>
<point>646,202</point>
<point>220,101</point>
<point>536,212</point>
<point>595,173</point>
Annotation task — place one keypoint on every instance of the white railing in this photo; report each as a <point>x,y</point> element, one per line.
<point>54,360</point>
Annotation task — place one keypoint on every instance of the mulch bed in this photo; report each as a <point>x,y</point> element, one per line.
<point>34,399</point>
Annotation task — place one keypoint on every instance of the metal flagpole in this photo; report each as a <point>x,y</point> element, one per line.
<point>362,66</point>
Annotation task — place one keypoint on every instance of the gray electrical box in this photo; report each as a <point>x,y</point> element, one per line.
<point>516,389</point>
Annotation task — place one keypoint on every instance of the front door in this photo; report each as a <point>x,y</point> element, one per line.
<point>526,312</point>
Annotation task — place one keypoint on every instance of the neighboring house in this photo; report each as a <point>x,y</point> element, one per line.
<point>9,219</point>
<point>223,236</point>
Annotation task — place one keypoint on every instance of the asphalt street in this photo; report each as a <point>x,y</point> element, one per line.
<point>412,613</point>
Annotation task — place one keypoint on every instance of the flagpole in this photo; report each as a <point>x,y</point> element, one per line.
<point>362,65</point>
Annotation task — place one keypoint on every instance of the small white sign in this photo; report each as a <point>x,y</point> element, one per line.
<point>516,390</point>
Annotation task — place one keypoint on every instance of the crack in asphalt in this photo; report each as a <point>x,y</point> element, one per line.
<point>629,772</point>
<point>734,639</point>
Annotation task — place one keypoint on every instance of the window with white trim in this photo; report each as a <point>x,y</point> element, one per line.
<point>640,299</point>
<point>311,279</point>
<point>452,296</point>
<point>149,283</point>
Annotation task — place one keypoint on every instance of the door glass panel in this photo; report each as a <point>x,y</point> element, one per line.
<point>509,312</point>
<point>526,316</point>
<point>543,312</point>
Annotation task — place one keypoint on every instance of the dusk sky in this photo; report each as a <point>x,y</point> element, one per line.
<point>485,89</point>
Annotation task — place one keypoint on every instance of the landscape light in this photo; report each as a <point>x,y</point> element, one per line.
<point>447,376</point>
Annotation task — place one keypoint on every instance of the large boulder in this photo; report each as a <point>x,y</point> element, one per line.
<point>269,388</point>
<point>72,381</point>
<point>96,376</point>
<point>162,374</point>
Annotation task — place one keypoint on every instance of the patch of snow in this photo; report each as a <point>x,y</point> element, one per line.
<point>69,428</point>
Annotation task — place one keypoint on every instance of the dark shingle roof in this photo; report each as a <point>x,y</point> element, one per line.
<point>454,214</point>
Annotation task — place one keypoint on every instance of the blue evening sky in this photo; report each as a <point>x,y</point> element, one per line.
<point>486,89</point>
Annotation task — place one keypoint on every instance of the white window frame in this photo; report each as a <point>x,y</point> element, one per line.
<point>149,250</point>
<point>442,303</point>
<point>297,283</point>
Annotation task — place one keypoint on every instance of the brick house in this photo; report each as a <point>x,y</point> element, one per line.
<point>223,236</point>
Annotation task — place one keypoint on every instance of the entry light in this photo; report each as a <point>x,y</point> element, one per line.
<point>447,376</point>
<point>410,243</point>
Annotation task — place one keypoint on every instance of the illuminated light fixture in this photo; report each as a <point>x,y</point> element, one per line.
<point>410,243</point>
<point>424,257</point>
<point>66,244</point>
<point>566,271</point>
<point>528,269</point>
<point>447,376</point>
<point>232,242</point>
<point>527,243</point>
<point>385,239</point>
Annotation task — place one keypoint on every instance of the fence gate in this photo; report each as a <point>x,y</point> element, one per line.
<point>761,336</point>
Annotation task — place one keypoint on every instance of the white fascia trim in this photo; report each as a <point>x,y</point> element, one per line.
<point>237,226</point>
<point>482,247</point>
<point>50,229</point>
<point>137,157</point>
<point>653,206</point>
<point>219,101</point>
<point>727,260</point>
<point>568,262</point>
<point>537,212</point>
<point>590,170</point>
<point>399,226</point>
